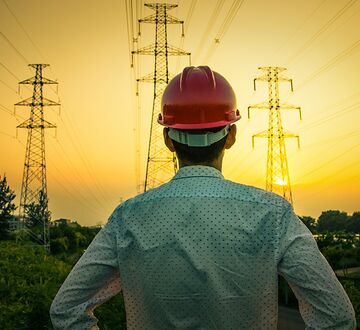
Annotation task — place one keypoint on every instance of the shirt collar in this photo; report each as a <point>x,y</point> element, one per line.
<point>198,171</point>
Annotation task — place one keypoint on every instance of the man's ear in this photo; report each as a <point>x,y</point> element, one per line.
<point>168,141</point>
<point>231,137</point>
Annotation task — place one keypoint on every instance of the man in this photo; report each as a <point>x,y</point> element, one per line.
<point>201,252</point>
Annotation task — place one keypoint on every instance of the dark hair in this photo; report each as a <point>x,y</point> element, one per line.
<point>198,155</point>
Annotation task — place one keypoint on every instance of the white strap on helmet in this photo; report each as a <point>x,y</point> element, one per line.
<point>198,140</point>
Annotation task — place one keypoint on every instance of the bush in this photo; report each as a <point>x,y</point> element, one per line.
<point>29,279</point>
<point>352,288</point>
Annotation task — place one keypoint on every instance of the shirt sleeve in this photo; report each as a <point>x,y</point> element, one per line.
<point>323,302</point>
<point>94,279</point>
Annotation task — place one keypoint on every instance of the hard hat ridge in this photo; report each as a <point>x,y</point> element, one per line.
<point>200,70</point>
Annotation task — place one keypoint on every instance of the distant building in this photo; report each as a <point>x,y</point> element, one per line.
<point>14,223</point>
<point>64,222</point>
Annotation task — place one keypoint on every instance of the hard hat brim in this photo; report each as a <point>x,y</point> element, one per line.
<point>200,125</point>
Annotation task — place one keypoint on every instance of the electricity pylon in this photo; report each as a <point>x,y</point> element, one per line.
<point>161,163</point>
<point>277,171</point>
<point>34,176</point>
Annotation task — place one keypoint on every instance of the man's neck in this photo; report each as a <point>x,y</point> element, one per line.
<point>216,164</point>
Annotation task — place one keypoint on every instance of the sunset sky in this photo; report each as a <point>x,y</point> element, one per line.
<point>91,160</point>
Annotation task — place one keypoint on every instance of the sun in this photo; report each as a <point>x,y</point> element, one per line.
<point>280,182</point>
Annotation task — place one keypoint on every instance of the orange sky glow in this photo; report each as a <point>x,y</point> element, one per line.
<point>96,157</point>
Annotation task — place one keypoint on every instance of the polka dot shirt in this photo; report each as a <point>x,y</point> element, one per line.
<point>202,252</point>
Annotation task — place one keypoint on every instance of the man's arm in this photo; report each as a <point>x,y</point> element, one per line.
<point>323,302</point>
<point>94,279</point>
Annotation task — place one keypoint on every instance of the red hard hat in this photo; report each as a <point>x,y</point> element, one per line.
<point>198,98</point>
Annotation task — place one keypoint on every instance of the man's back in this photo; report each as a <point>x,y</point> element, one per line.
<point>202,252</point>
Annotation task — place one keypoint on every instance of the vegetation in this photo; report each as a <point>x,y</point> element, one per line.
<point>7,206</point>
<point>29,281</point>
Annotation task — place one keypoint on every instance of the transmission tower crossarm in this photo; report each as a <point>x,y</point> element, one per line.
<point>261,106</point>
<point>287,106</point>
<point>282,78</point>
<point>154,6</point>
<point>148,19</point>
<point>150,50</point>
<point>173,20</point>
<point>172,50</point>
<point>263,134</point>
<point>152,19</point>
<point>147,50</point>
<point>29,124</point>
<point>148,78</point>
<point>32,81</point>
<point>292,135</point>
<point>43,102</point>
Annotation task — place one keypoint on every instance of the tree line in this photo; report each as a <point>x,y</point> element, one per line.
<point>333,221</point>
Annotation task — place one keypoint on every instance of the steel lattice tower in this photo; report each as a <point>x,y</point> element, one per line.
<point>161,163</point>
<point>34,175</point>
<point>277,171</point>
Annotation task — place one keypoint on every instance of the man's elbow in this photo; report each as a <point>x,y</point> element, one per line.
<point>60,314</point>
<point>350,320</point>
<point>346,319</point>
<point>55,312</point>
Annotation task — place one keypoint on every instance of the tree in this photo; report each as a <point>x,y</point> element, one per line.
<point>6,207</point>
<point>309,222</point>
<point>353,225</point>
<point>37,213</point>
<point>332,220</point>
<point>29,280</point>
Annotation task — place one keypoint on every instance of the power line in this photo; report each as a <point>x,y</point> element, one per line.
<point>338,139</point>
<point>331,176</point>
<point>187,21</point>
<point>13,75</point>
<point>9,71</point>
<point>229,18</point>
<point>78,196</point>
<point>322,30</point>
<point>9,87</point>
<point>14,48</point>
<point>134,44</point>
<point>300,26</point>
<point>6,109</point>
<point>8,135</point>
<point>23,29</point>
<point>333,62</point>
<point>11,113</point>
<point>330,117</point>
<point>224,28</point>
<point>78,174</point>
<point>78,147</point>
<point>329,161</point>
<point>209,27</point>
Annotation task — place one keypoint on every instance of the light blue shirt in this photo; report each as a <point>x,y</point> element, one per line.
<point>202,252</point>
